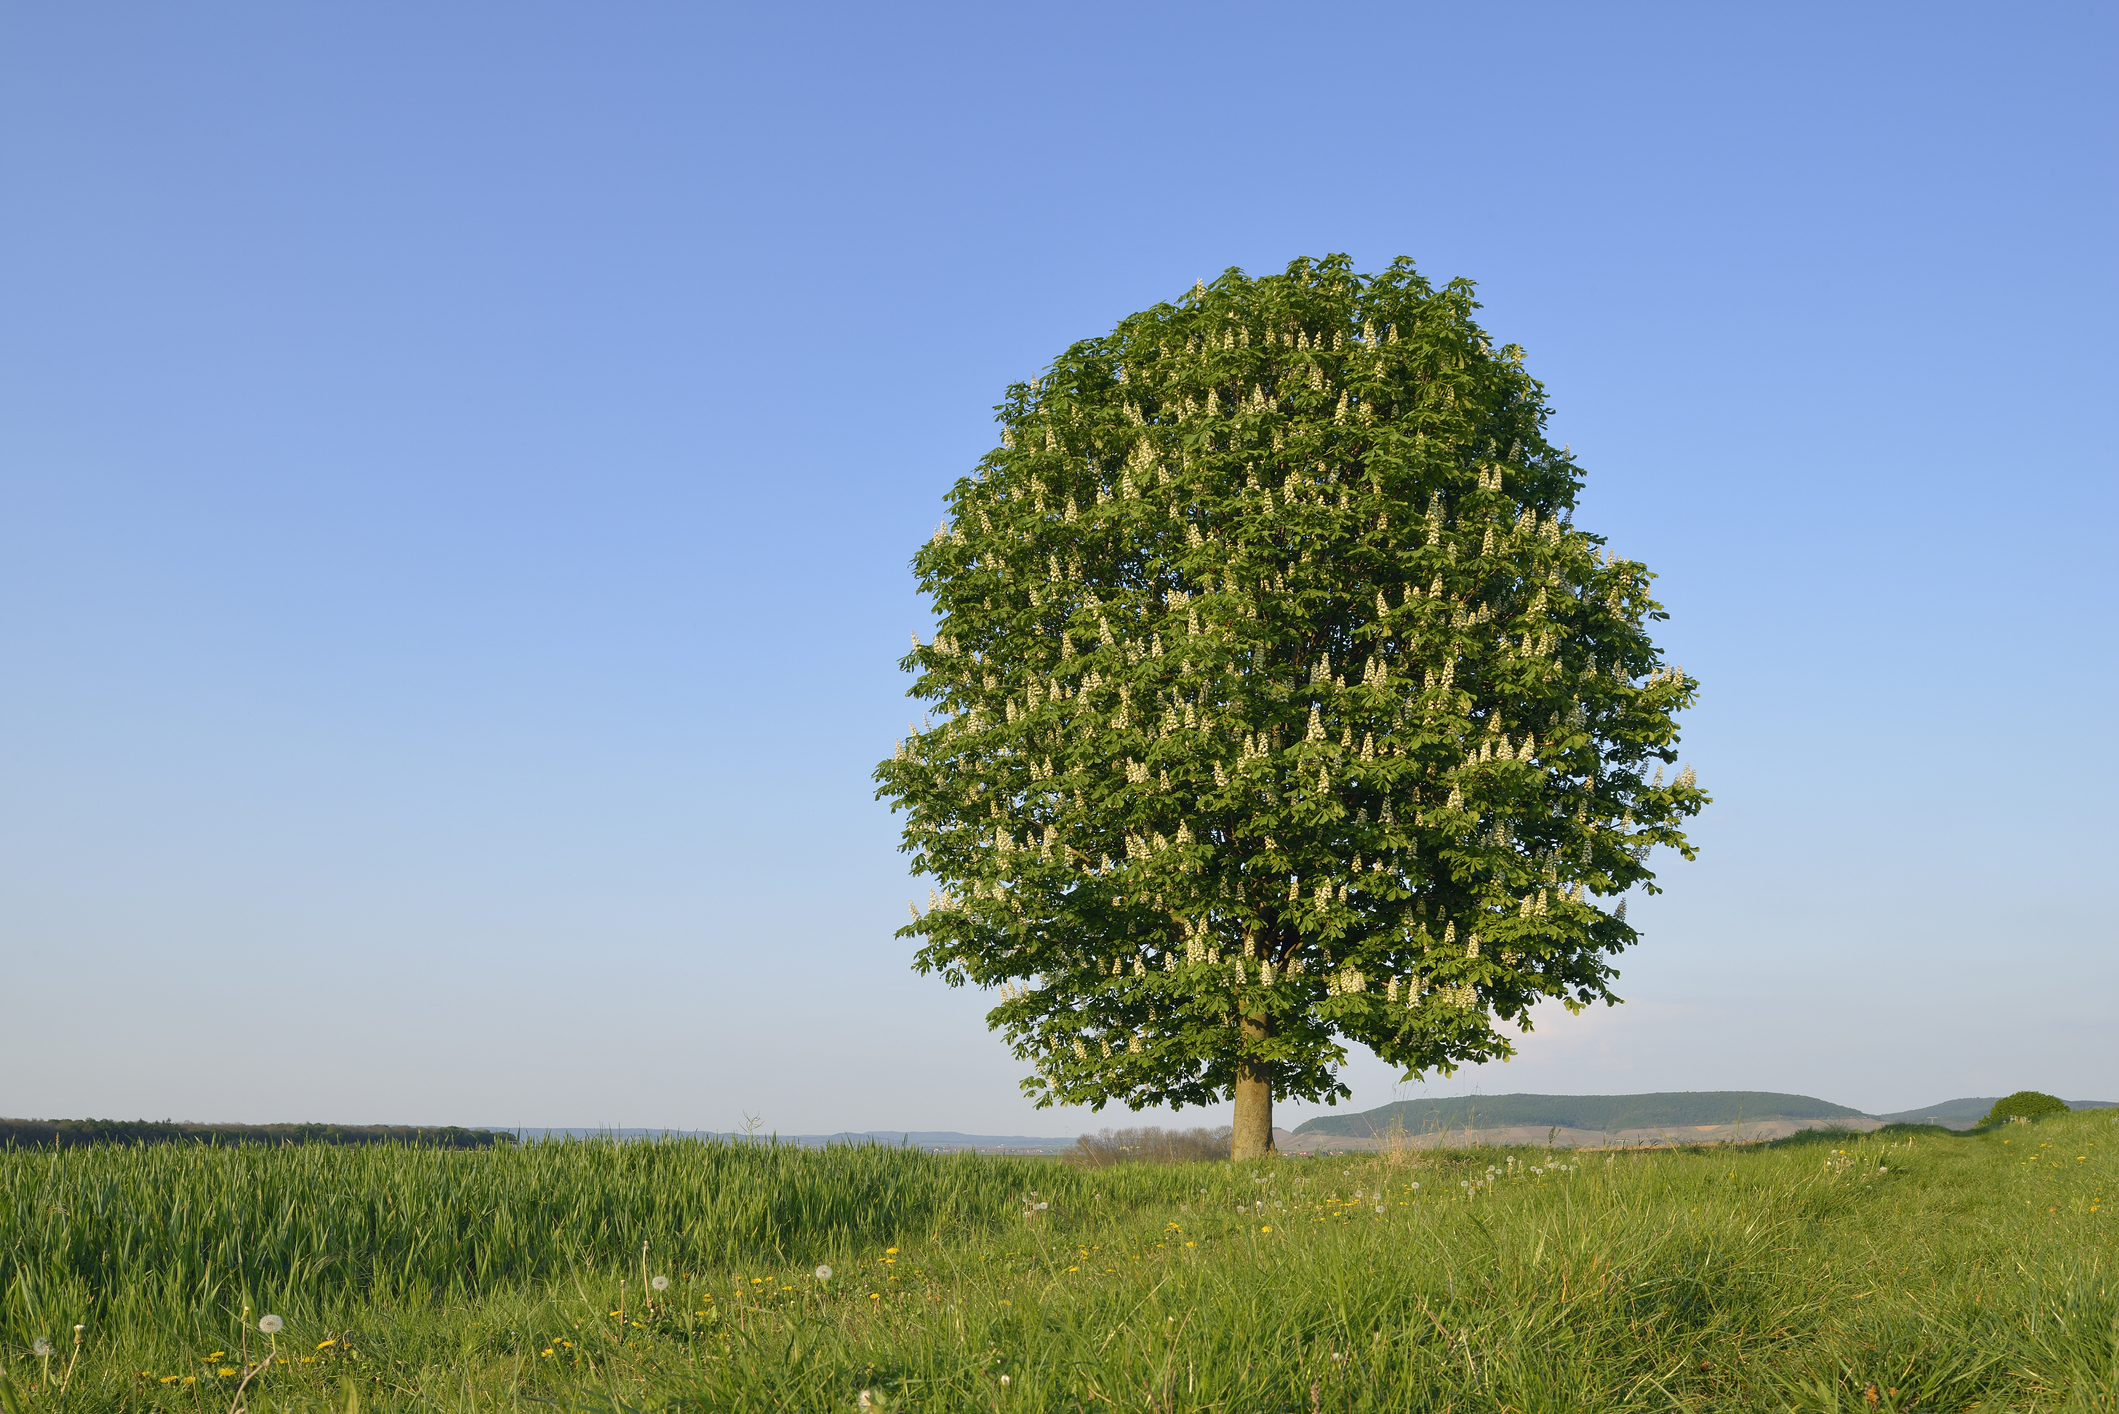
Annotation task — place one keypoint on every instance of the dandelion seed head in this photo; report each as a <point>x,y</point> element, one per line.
<point>270,1324</point>
<point>660,1283</point>
<point>40,1347</point>
<point>824,1274</point>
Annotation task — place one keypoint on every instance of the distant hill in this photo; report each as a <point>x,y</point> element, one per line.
<point>73,1133</point>
<point>1604,1113</point>
<point>1964,1113</point>
<point>1956,1114</point>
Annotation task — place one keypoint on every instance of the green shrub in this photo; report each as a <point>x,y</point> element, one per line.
<point>2024,1104</point>
<point>1151,1145</point>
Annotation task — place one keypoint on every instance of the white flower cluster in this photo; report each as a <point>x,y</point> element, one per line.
<point>1346,983</point>
<point>1139,848</point>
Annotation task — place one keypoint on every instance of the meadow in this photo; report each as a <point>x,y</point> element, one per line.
<point>1913,1269</point>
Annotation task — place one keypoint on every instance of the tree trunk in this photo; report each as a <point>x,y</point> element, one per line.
<point>1254,1098</point>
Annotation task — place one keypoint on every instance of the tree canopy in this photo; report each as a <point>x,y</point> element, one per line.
<point>1277,701</point>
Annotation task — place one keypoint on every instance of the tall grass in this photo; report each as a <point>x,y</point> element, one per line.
<point>110,1234</point>
<point>1900,1271</point>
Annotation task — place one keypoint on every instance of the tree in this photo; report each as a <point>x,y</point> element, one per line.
<point>1280,704</point>
<point>2029,1105</point>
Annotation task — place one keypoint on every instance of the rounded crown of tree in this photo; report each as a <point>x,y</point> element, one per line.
<point>1281,702</point>
<point>2025,1104</point>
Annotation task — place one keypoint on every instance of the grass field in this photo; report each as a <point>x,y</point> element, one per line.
<point>1899,1271</point>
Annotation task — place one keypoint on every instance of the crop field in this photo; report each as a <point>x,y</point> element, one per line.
<point>1905,1270</point>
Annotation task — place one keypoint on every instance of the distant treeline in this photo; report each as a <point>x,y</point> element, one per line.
<point>73,1133</point>
<point>1151,1145</point>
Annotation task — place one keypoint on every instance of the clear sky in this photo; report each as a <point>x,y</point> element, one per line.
<point>459,464</point>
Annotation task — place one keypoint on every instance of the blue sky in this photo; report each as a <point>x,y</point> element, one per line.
<point>458,468</point>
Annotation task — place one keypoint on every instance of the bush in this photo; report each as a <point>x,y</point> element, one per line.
<point>1151,1145</point>
<point>2024,1104</point>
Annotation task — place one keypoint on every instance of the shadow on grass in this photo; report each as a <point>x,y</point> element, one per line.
<point>1834,1138</point>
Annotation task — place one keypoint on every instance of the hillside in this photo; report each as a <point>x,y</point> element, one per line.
<point>924,1279</point>
<point>1955,1114</point>
<point>1603,1113</point>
